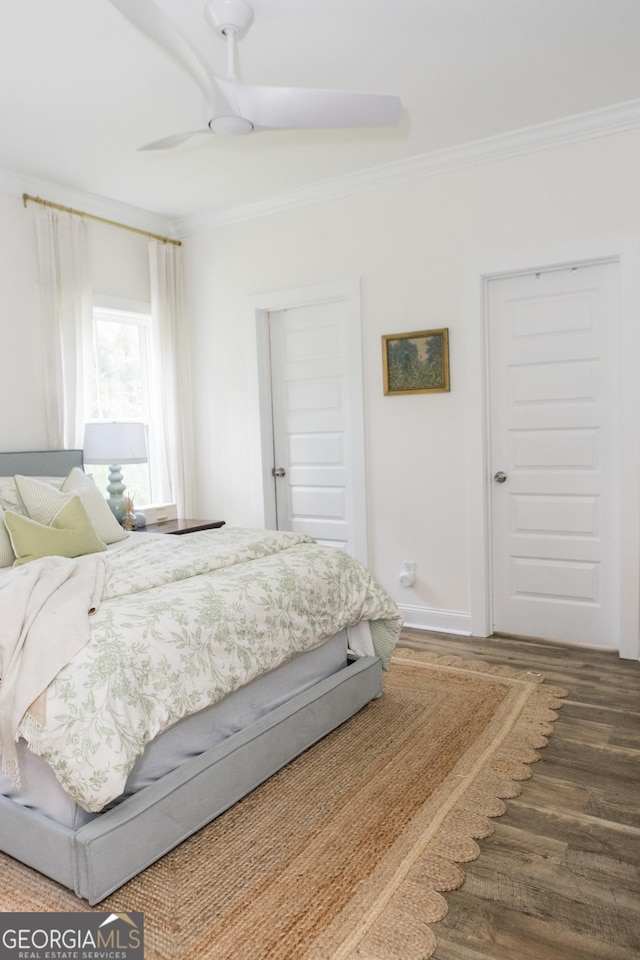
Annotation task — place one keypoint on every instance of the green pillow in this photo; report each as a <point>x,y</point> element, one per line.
<point>70,534</point>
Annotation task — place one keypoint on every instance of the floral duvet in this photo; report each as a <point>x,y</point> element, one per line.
<point>184,621</point>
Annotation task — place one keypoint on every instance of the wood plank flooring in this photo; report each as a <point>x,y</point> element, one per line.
<point>559,879</point>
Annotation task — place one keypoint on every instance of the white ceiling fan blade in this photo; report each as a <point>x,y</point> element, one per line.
<point>237,108</point>
<point>288,108</point>
<point>167,143</point>
<point>149,18</point>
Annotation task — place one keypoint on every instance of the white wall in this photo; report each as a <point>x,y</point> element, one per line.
<point>121,271</point>
<point>411,244</point>
<point>120,264</point>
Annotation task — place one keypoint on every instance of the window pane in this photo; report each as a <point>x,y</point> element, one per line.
<point>120,389</point>
<point>118,385</point>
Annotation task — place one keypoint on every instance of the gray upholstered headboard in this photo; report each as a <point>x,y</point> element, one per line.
<point>40,463</point>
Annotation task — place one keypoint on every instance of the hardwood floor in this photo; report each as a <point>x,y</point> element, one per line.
<point>560,877</point>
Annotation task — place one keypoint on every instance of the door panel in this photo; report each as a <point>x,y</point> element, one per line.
<point>310,398</point>
<point>552,345</point>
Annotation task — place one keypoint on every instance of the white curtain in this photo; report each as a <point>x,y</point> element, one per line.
<point>66,298</point>
<point>170,433</point>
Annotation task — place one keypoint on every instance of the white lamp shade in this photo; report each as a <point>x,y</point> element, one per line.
<point>118,441</point>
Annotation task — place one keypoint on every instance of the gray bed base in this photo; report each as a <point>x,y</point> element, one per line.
<point>105,853</point>
<point>102,855</point>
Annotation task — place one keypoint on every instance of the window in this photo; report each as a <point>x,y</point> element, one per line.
<point>121,385</point>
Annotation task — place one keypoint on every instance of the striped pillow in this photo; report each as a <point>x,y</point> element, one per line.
<point>42,502</point>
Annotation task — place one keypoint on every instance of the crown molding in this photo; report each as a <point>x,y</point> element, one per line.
<point>15,184</point>
<point>585,126</point>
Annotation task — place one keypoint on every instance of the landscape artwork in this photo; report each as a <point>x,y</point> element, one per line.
<point>416,362</point>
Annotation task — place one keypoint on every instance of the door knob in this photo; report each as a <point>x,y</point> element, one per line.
<point>278,472</point>
<point>499,477</point>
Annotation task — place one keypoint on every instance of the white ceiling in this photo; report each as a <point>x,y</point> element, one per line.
<point>82,89</point>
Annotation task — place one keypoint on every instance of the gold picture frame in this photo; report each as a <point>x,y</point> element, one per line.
<point>416,362</point>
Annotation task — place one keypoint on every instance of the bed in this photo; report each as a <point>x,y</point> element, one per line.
<point>209,662</point>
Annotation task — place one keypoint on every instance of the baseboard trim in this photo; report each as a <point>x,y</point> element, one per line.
<point>442,621</point>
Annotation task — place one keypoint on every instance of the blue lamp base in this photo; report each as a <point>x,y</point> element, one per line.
<point>116,499</point>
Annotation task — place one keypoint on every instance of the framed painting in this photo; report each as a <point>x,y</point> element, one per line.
<point>416,362</point>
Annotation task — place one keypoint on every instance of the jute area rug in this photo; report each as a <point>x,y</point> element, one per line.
<point>345,853</point>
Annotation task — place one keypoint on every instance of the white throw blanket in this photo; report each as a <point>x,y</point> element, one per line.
<point>44,622</point>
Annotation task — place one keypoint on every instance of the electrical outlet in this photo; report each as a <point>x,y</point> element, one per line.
<point>408,575</point>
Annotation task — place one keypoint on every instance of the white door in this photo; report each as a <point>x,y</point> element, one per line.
<point>317,434</point>
<point>554,473</point>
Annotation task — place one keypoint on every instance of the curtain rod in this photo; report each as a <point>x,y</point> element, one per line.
<point>26,198</point>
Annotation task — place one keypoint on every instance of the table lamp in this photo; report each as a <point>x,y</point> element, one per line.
<point>115,443</point>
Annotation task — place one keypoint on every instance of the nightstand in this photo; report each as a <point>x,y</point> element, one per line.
<point>181,526</point>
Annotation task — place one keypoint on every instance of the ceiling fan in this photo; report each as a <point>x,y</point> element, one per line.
<point>237,108</point>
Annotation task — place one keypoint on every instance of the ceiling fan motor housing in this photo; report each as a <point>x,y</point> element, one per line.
<point>231,126</point>
<point>229,16</point>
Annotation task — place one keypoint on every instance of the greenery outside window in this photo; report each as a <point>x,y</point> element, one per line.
<point>121,386</point>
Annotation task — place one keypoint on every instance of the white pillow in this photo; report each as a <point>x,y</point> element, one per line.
<point>42,502</point>
<point>9,499</point>
<point>7,556</point>
<point>9,496</point>
<point>107,527</point>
